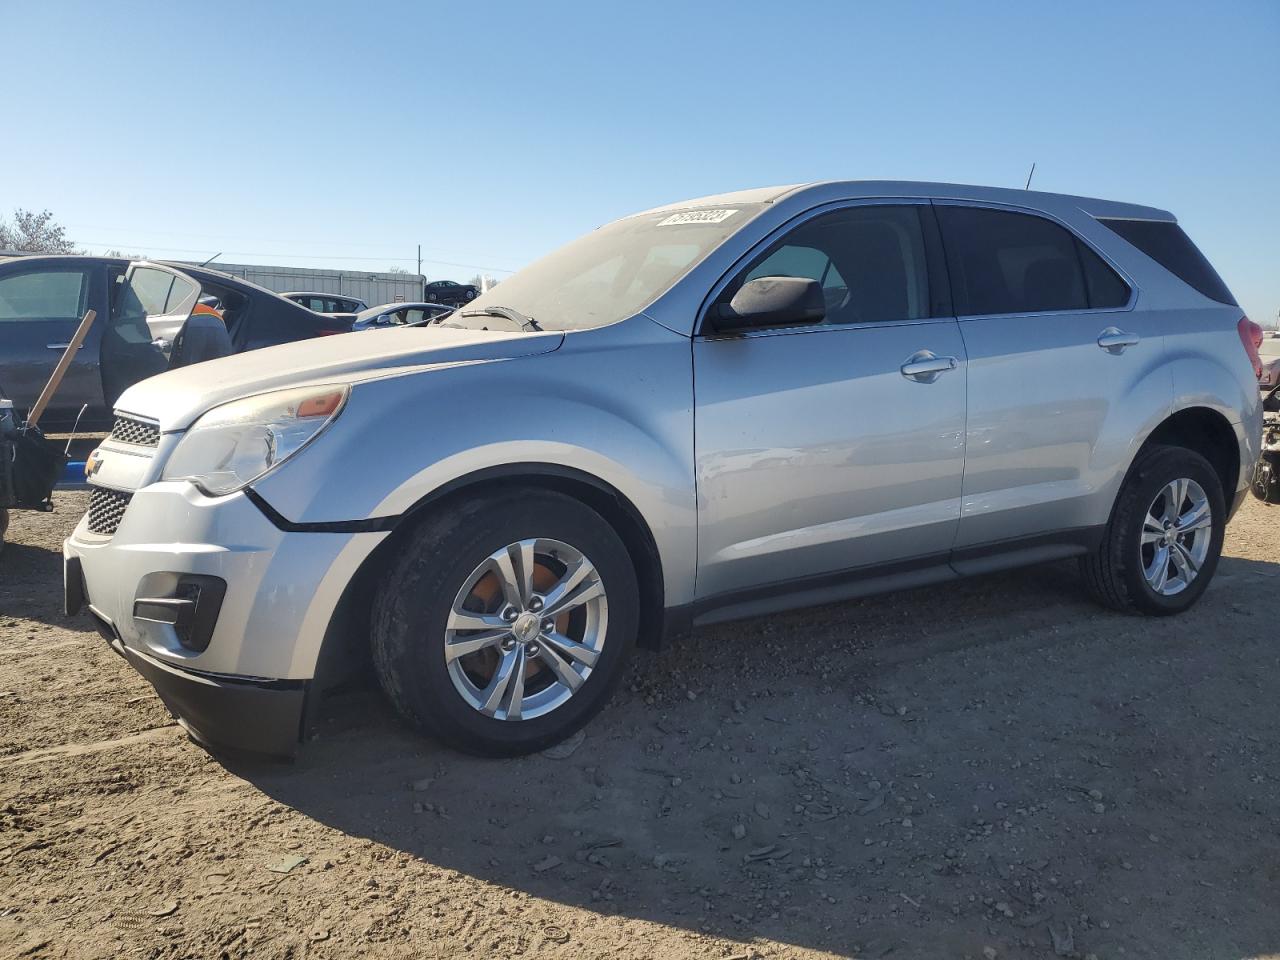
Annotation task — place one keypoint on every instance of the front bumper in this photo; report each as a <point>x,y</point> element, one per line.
<point>244,685</point>
<point>223,713</point>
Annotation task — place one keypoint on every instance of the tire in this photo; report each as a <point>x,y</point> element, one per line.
<point>1117,573</point>
<point>420,606</point>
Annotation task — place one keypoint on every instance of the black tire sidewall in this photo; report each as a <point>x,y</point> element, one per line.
<point>412,608</point>
<point>1163,466</point>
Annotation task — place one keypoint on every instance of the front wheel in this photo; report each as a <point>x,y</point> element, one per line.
<point>506,623</point>
<point>1161,548</point>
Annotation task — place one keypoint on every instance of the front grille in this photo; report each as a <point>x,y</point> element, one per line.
<point>106,510</point>
<point>143,433</point>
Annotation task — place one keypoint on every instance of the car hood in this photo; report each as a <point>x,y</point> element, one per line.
<point>178,397</point>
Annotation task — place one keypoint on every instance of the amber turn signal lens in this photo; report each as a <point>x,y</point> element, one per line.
<point>320,406</point>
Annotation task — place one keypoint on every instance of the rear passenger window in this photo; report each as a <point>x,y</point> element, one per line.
<point>870,262</point>
<point>43,295</point>
<point>1167,244</point>
<point>1006,262</point>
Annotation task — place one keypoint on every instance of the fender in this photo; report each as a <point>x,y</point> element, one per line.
<point>403,439</point>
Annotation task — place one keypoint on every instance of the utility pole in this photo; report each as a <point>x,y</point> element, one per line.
<point>421,282</point>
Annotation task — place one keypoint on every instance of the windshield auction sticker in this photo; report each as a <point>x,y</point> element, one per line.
<point>697,216</point>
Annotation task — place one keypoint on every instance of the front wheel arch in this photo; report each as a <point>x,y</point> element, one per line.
<point>345,647</point>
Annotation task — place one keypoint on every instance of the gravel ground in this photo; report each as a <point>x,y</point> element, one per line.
<point>990,769</point>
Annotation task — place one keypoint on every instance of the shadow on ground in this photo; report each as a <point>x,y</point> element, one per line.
<point>907,774</point>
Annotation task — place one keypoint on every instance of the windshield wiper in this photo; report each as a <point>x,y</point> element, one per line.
<point>515,316</point>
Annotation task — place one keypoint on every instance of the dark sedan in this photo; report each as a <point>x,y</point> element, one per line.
<point>446,291</point>
<point>141,307</point>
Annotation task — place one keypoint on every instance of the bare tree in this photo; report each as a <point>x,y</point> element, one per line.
<point>398,270</point>
<point>33,232</point>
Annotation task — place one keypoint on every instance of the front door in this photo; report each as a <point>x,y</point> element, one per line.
<point>828,448</point>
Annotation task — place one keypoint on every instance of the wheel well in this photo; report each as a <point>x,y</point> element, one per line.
<point>345,643</point>
<point>1209,434</point>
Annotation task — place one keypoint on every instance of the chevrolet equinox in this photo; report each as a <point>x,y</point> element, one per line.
<point>706,411</point>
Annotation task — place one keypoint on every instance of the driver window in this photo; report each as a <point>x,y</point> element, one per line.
<point>869,261</point>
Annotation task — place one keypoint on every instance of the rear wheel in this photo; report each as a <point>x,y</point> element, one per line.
<point>506,624</point>
<point>1162,545</point>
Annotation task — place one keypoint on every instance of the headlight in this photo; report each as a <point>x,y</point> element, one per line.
<point>233,445</point>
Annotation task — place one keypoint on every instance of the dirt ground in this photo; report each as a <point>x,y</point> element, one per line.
<point>991,769</point>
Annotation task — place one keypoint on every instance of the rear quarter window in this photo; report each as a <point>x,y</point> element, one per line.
<point>1169,246</point>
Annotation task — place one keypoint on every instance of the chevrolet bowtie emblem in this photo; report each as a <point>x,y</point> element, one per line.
<point>93,464</point>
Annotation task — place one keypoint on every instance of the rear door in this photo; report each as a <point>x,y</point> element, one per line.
<point>41,306</point>
<point>1052,343</point>
<point>150,307</point>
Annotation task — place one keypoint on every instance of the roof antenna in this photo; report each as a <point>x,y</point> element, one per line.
<point>219,253</point>
<point>1030,175</point>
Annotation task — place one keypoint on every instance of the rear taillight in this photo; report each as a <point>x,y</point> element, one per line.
<point>1251,337</point>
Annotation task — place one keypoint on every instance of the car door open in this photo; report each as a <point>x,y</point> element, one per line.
<point>151,304</point>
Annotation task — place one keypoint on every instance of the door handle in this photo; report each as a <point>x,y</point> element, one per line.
<point>925,366</point>
<point>162,343</point>
<point>1114,340</point>
<point>60,346</point>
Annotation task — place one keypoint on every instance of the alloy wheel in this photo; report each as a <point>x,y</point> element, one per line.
<point>526,629</point>
<point>1176,533</point>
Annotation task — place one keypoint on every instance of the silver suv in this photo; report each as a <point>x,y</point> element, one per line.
<point>711,410</point>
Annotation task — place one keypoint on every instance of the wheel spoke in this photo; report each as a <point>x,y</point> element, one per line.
<point>491,696</point>
<point>1196,518</point>
<point>571,649</point>
<point>462,646</point>
<point>515,689</point>
<point>1159,570</point>
<point>565,673</point>
<point>1175,494</point>
<point>1185,561</point>
<point>514,567</point>
<point>466,620</point>
<point>579,585</point>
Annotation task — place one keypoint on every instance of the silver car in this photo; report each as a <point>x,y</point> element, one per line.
<point>712,410</point>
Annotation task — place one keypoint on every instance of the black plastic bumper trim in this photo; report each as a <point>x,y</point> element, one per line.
<point>261,717</point>
<point>373,525</point>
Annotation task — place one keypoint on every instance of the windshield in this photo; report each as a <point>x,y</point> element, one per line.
<point>614,272</point>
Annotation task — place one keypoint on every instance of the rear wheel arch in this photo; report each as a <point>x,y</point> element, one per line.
<point>1209,434</point>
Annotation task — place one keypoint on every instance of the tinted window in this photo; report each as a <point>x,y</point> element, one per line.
<point>147,292</point>
<point>44,295</point>
<point>1169,246</point>
<point>180,293</point>
<point>1104,285</point>
<point>1003,262</point>
<point>870,262</point>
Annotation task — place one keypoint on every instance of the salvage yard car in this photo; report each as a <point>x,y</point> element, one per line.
<point>706,411</point>
<point>399,315</point>
<point>141,308</point>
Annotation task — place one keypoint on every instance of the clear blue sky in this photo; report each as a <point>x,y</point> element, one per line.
<point>332,134</point>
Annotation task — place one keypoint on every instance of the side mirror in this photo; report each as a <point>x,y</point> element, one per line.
<point>772,302</point>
